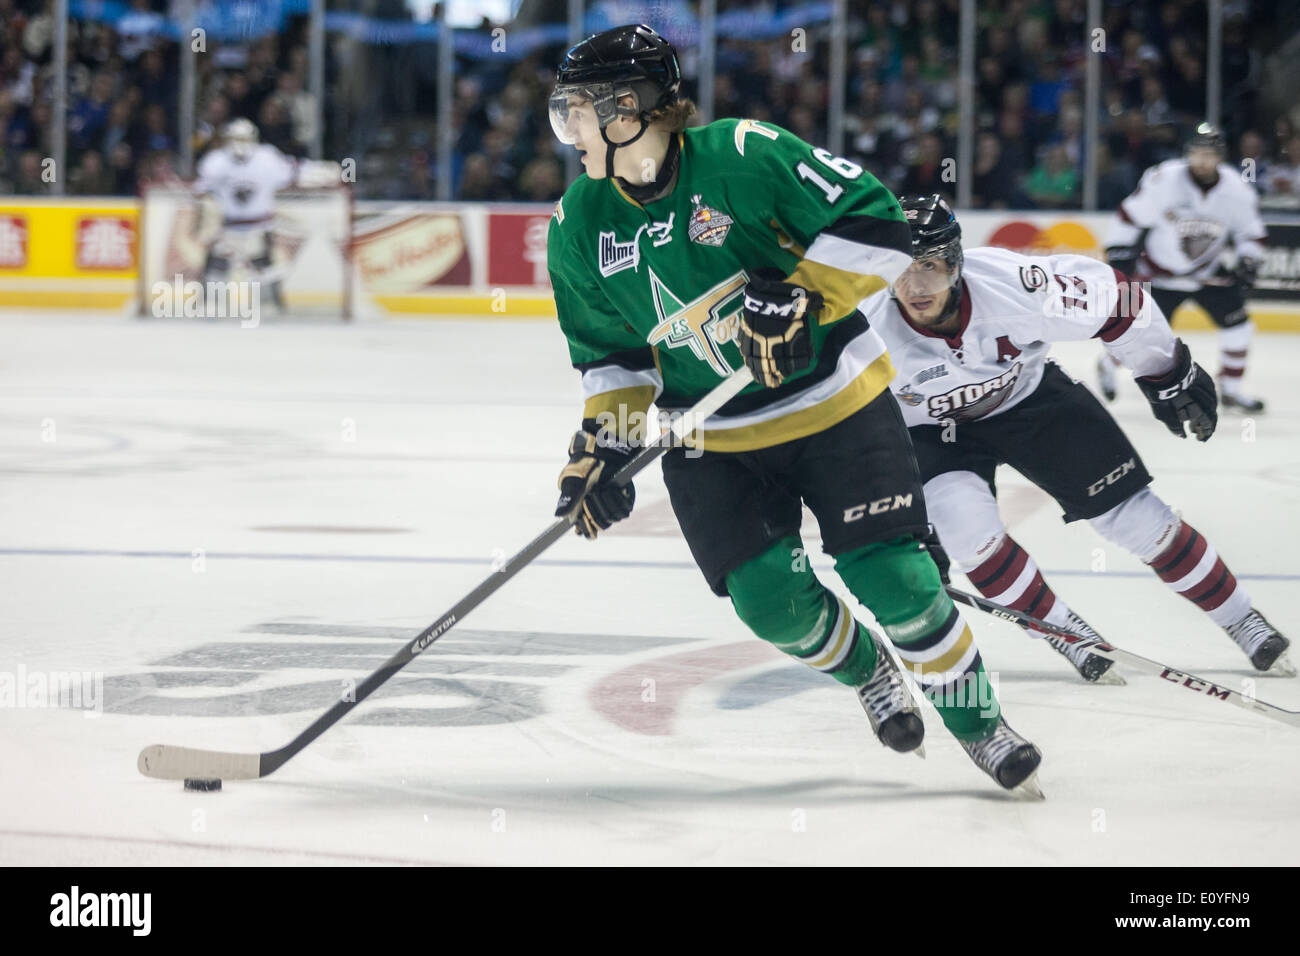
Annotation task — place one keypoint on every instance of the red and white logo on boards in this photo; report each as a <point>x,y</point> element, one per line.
<point>105,242</point>
<point>13,242</point>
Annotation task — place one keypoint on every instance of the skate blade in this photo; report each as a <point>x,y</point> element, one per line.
<point>1028,789</point>
<point>1282,667</point>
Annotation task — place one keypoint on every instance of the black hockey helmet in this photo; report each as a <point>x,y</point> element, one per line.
<point>605,68</point>
<point>1207,136</point>
<point>936,234</point>
<point>934,226</point>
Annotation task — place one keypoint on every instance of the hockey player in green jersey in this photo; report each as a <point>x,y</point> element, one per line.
<point>684,252</point>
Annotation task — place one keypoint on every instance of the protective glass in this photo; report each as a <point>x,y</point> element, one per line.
<point>580,112</point>
<point>925,277</point>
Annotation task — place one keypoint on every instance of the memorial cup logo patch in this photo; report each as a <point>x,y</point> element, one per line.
<point>708,226</point>
<point>911,395</point>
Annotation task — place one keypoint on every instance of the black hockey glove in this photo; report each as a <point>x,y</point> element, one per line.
<point>586,490</point>
<point>1184,395</point>
<point>940,557</point>
<point>774,336</point>
<point>1245,274</point>
<point>1123,258</point>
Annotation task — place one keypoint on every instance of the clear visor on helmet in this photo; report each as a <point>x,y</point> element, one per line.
<point>932,275</point>
<point>579,112</point>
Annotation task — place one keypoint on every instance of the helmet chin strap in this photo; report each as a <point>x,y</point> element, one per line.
<point>610,145</point>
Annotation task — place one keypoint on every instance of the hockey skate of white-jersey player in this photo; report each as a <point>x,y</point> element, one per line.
<point>970,334</point>
<point>1178,230</point>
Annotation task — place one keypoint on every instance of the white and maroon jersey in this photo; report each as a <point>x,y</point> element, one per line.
<point>1012,308</point>
<point>246,190</point>
<point>1188,227</point>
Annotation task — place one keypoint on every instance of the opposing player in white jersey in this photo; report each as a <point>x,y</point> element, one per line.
<point>970,335</point>
<point>243,177</point>
<point>1175,230</point>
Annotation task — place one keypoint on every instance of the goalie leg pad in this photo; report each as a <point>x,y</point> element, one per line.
<point>216,265</point>
<point>262,261</point>
<point>780,599</point>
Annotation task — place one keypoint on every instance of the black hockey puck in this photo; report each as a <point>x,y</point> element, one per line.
<point>195,784</point>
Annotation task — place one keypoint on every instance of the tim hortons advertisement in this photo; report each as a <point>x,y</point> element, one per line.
<point>407,249</point>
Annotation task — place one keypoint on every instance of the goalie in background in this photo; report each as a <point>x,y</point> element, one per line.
<point>241,178</point>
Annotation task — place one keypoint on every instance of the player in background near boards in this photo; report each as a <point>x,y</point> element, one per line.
<point>683,253</point>
<point>1174,229</point>
<point>970,333</point>
<point>243,176</point>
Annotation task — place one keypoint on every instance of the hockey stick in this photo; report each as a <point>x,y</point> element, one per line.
<point>1193,683</point>
<point>180,763</point>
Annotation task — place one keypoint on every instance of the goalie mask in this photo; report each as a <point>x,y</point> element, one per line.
<point>936,250</point>
<point>628,71</point>
<point>240,137</point>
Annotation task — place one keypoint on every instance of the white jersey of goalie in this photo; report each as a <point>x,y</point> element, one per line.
<point>246,190</point>
<point>1187,228</point>
<point>1012,308</point>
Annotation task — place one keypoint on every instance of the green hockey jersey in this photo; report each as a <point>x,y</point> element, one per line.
<point>649,296</point>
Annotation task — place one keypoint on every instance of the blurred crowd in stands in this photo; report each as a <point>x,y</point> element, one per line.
<point>901,106</point>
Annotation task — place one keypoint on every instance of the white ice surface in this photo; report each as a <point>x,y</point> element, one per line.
<point>321,554</point>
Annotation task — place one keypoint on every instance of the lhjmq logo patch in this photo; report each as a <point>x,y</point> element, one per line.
<point>708,226</point>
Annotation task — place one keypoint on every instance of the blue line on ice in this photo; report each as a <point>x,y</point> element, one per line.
<point>483,562</point>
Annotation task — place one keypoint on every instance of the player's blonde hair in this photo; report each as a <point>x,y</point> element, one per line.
<point>674,117</point>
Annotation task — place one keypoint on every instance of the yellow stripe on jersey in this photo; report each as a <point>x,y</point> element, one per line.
<point>621,404</point>
<point>841,289</point>
<point>873,380</point>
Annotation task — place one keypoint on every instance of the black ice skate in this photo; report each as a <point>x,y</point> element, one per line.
<point>1093,668</point>
<point>1239,402</point>
<point>890,706</point>
<point>1008,758</point>
<point>1265,647</point>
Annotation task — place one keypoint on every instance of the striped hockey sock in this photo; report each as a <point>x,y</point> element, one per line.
<point>1191,566</point>
<point>1011,577</point>
<point>835,645</point>
<point>938,648</point>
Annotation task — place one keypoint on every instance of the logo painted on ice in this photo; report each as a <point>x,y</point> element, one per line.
<point>471,685</point>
